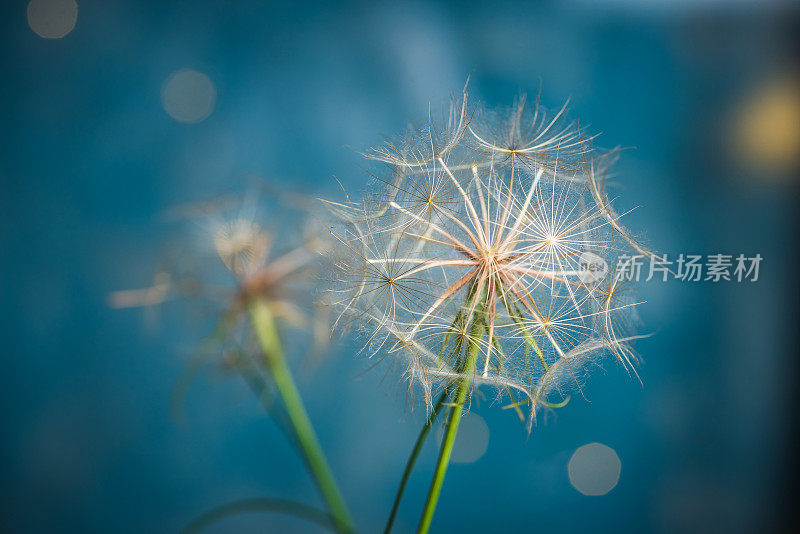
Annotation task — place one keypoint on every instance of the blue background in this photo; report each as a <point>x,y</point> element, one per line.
<point>90,161</point>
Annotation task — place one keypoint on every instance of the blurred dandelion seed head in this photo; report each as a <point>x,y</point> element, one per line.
<point>236,248</point>
<point>488,219</point>
<point>242,246</point>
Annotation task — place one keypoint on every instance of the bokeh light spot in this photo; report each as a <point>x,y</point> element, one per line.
<point>188,96</point>
<point>768,127</point>
<point>52,19</point>
<point>594,469</point>
<point>472,439</point>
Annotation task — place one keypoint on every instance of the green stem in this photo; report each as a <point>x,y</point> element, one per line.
<point>453,420</point>
<point>267,333</point>
<point>413,459</point>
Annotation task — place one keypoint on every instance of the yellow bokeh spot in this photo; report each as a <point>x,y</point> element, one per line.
<point>768,127</point>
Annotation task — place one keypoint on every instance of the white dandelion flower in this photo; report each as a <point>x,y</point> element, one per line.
<point>469,266</point>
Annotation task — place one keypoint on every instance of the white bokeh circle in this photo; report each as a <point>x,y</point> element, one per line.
<point>594,469</point>
<point>52,19</point>
<point>472,439</point>
<point>188,96</point>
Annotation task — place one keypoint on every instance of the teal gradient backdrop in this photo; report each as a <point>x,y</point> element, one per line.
<point>90,161</point>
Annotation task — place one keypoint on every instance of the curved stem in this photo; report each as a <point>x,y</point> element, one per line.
<point>453,420</point>
<point>267,333</point>
<point>413,459</point>
<point>255,505</point>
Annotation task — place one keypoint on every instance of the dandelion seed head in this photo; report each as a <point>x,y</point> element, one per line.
<point>233,249</point>
<point>478,239</point>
